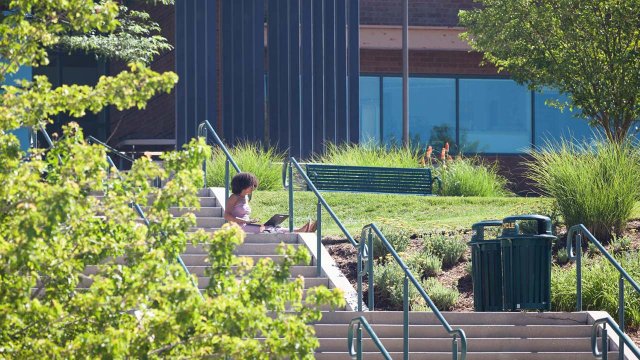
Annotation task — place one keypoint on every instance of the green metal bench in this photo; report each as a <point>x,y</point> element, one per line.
<point>328,177</point>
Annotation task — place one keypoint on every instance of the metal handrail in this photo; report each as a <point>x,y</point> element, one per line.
<point>358,323</point>
<point>367,233</point>
<point>203,131</point>
<point>575,233</point>
<point>121,155</point>
<point>144,218</point>
<point>604,353</point>
<point>288,165</point>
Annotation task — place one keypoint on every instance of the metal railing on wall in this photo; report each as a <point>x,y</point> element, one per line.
<point>204,130</point>
<point>364,250</point>
<point>574,245</point>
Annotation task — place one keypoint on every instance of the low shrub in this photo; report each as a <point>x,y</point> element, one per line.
<point>250,157</point>
<point>470,177</point>
<point>388,279</point>
<point>595,184</point>
<point>370,155</point>
<point>398,238</point>
<point>443,298</point>
<point>563,256</point>
<point>449,249</point>
<point>424,264</point>
<point>599,287</point>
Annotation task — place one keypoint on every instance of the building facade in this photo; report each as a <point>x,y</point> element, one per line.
<point>453,98</point>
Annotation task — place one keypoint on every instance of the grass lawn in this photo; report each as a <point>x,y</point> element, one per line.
<point>417,213</point>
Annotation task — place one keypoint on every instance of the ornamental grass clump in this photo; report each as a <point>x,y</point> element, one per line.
<point>265,163</point>
<point>464,176</point>
<point>369,155</point>
<point>595,184</point>
<point>599,287</point>
<point>450,249</point>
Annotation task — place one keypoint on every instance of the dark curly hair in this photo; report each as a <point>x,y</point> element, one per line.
<point>242,181</point>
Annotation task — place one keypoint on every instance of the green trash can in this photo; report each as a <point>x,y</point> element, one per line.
<point>526,242</point>
<point>486,268</point>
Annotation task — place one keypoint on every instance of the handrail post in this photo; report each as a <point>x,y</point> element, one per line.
<point>405,318</point>
<point>454,348</point>
<point>579,272</point>
<point>359,341</point>
<point>290,171</point>
<point>359,275</point>
<point>319,239</point>
<point>621,314</point>
<point>226,179</point>
<point>605,343</point>
<point>204,171</point>
<point>370,270</point>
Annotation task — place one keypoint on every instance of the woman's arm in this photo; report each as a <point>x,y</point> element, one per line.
<point>231,203</point>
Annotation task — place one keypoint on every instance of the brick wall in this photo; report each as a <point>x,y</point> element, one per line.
<point>421,12</point>
<point>424,62</point>
<point>157,120</point>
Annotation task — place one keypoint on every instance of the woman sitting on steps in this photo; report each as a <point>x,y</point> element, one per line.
<point>237,208</point>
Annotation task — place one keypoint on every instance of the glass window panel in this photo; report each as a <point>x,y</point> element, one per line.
<point>495,116</point>
<point>432,111</point>
<point>552,125</point>
<point>391,110</point>
<point>370,109</point>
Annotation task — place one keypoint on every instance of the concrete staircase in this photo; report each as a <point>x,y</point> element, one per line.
<point>491,336</point>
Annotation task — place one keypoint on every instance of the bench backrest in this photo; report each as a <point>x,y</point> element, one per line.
<point>326,177</point>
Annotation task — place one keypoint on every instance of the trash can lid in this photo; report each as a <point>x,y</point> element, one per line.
<point>510,227</point>
<point>478,228</point>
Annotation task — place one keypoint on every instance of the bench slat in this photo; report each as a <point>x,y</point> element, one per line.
<point>416,181</point>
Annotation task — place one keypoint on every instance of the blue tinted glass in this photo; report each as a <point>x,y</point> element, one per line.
<point>391,110</point>
<point>495,116</point>
<point>369,109</point>
<point>552,125</point>
<point>432,111</point>
<point>23,134</point>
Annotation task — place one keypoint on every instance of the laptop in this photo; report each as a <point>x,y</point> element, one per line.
<point>276,220</point>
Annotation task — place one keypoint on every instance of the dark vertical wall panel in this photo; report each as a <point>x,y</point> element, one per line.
<point>258,66</point>
<point>180,70</point>
<point>342,124</point>
<point>329,70</point>
<point>246,74</point>
<point>272,77</point>
<point>199,64</point>
<point>318,77</point>
<point>236,71</point>
<point>354,70</point>
<point>196,41</point>
<point>227,64</point>
<point>211,59</point>
<point>190,113</point>
<point>284,121</point>
<point>294,77</point>
<point>306,61</point>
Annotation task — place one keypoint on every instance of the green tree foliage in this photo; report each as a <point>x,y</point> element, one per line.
<point>588,50</point>
<point>80,277</point>
<point>136,38</point>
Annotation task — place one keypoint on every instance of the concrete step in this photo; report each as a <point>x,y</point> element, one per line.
<point>308,282</point>
<point>243,249</point>
<point>202,212</point>
<point>204,201</point>
<point>343,355</point>
<point>459,318</point>
<point>472,331</point>
<point>474,345</point>
<point>201,259</point>
<point>289,238</point>
<point>306,271</point>
<point>210,222</point>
